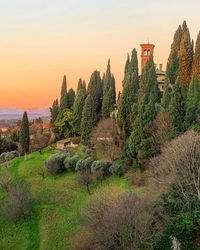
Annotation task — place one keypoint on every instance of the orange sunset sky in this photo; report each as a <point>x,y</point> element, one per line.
<point>41,41</point>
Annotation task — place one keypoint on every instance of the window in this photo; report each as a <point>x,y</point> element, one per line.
<point>145,52</point>
<point>148,52</point>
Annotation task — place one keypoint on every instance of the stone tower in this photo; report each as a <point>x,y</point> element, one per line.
<point>147,50</point>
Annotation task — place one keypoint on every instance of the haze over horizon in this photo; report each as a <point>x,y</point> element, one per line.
<point>43,40</point>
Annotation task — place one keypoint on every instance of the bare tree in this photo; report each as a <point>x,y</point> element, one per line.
<point>107,139</point>
<point>179,163</point>
<point>18,204</point>
<point>85,178</point>
<point>124,224</point>
<point>160,130</point>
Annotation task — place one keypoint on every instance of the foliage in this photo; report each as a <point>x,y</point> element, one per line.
<point>63,95</point>
<point>84,164</point>
<point>24,138</point>
<point>185,57</point>
<point>62,127</point>
<point>109,94</point>
<point>130,92</point>
<point>116,170</point>
<point>55,163</point>
<point>71,162</point>
<point>95,90</point>
<point>196,59</point>
<point>88,120</point>
<point>78,109</point>
<point>70,97</point>
<point>54,110</point>
<point>177,106</point>
<point>100,168</point>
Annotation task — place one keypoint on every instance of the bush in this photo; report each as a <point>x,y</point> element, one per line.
<point>71,162</point>
<point>116,170</point>
<point>2,158</point>
<point>5,181</point>
<point>100,168</point>
<point>11,155</point>
<point>18,204</point>
<point>84,164</point>
<point>55,163</point>
<point>8,156</point>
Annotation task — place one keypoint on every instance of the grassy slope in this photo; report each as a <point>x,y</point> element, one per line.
<point>58,204</point>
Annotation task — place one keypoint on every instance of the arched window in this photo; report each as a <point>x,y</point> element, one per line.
<point>145,52</point>
<point>148,52</point>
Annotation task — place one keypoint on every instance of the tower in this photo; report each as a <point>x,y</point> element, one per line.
<point>147,50</point>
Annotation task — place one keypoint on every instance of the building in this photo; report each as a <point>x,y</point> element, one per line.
<point>146,51</point>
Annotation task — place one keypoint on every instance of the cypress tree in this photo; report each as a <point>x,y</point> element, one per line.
<point>70,97</point>
<point>118,97</point>
<point>173,64</point>
<point>196,61</point>
<point>63,97</point>
<point>80,85</point>
<point>108,92</point>
<point>192,102</point>
<point>89,119</point>
<point>78,109</point>
<point>185,57</point>
<point>177,106</point>
<point>149,83</point>
<point>95,90</point>
<point>84,85</point>
<point>54,110</point>
<point>166,94</point>
<point>24,138</point>
<point>129,93</point>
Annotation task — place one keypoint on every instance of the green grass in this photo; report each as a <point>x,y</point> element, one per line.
<point>58,205</point>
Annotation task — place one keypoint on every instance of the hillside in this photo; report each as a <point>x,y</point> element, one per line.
<point>58,202</point>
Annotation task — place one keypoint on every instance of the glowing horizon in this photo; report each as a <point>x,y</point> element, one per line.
<point>43,40</point>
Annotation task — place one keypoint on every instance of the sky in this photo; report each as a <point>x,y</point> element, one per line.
<point>41,40</point>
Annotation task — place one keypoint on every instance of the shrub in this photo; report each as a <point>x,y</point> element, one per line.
<point>100,168</point>
<point>55,163</point>
<point>18,204</point>
<point>5,181</point>
<point>71,162</point>
<point>11,155</point>
<point>2,158</point>
<point>84,164</point>
<point>116,170</point>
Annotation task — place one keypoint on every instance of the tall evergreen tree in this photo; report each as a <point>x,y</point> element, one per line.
<point>24,138</point>
<point>129,93</point>
<point>70,97</point>
<point>166,94</point>
<point>63,97</point>
<point>192,102</point>
<point>80,85</point>
<point>186,58</point>
<point>173,64</point>
<point>177,106</point>
<point>196,61</point>
<point>89,119</point>
<point>54,110</point>
<point>151,90</point>
<point>95,90</point>
<point>108,92</point>
<point>78,109</point>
